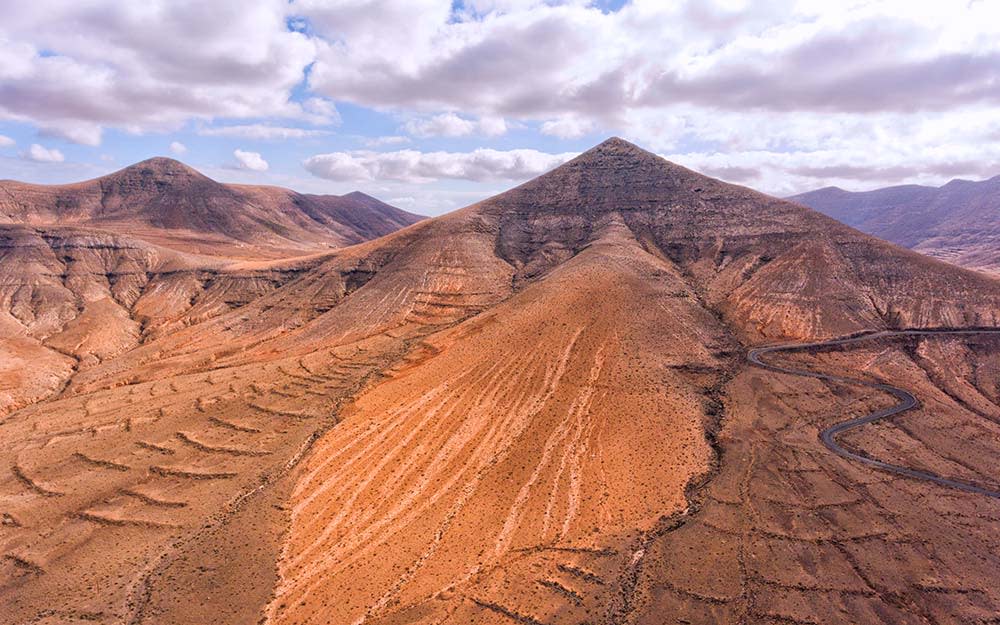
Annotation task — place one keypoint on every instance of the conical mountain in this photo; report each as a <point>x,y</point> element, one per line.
<point>168,194</point>
<point>158,172</point>
<point>614,175</point>
<point>743,250</point>
<point>659,200</point>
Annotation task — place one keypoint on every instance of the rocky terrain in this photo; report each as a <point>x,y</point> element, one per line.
<point>534,410</point>
<point>958,222</point>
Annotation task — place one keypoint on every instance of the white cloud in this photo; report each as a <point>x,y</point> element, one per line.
<point>737,82</point>
<point>444,125</point>
<point>178,148</point>
<point>250,160</point>
<point>742,81</point>
<point>321,111</point>
<point>6,142</point>
<point>375,142</point>
<point>402,202</point>
<point>542,60</point>
<point>343,166</point>
<point>422,167</point>
<point>261,132</point>
<point>84,133</point>
<point>75,68</point>
<point>784,154</point>
<point>492,126</point>
<point>451,125</point>
<point>41,154</point>
<point>568,127</point>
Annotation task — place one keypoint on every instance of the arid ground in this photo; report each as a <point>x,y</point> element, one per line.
<point>537,410</point>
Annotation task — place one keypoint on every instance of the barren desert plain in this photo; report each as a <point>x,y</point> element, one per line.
<point>538,409</point>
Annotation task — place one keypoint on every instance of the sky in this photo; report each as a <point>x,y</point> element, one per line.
<point>434,104</point>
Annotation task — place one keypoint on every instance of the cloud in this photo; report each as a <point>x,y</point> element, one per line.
<point>403,202</point>
<point>784,55</point>
<point>785,94</point>
<point>178,148</point>
<point>261,132</point>
<point>41,154</point>
<point>375,142</point>
<point>732,173</point>
<point>492,126</point>
<point>567,127</point>
<point>6,142</point>
<point>250,160</point>
<point>446,125</point>
<point>82,133</point>
<point>75,68</point>
<point>451,125</point>
<point>421,167</point>
<point>321,111</point>
<point>928,151</point>
<point>923,84</point>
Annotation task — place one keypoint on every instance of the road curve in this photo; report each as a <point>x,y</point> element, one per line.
<point>906,402</point>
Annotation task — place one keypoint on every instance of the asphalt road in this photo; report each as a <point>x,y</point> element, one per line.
<point>906,402</point>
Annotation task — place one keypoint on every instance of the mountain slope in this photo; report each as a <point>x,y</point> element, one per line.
<point>171,204</point>
<point>91,270</point>
<point>958,222</point>
<point>532,410</point>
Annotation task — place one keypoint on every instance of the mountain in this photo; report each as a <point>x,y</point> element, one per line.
<point>958,222</point>
<point>91,270</point>
<point>536,409</point>
<point>168,203</point>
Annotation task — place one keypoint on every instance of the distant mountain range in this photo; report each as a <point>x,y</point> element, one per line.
<point>958,222</point>
<point>167,203</point>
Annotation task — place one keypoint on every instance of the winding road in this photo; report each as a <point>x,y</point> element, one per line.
<point>906,401</point>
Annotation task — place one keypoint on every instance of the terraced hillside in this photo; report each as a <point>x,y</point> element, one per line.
<point>533,410</point>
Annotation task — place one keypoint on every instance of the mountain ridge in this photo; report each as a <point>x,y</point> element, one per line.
<point>956,222</point>
<point>168,201</point>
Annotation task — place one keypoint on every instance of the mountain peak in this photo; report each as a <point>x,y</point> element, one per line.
<point>618,148</point>
<point>619,172</point>
<point>617,157</point>
<point>157,175</point>
<point>617,143</point>
<point>159,171</point>
<point>161,165</point>
<point>360,196</point>
<point>619,177</point>
<point>822,192</point>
